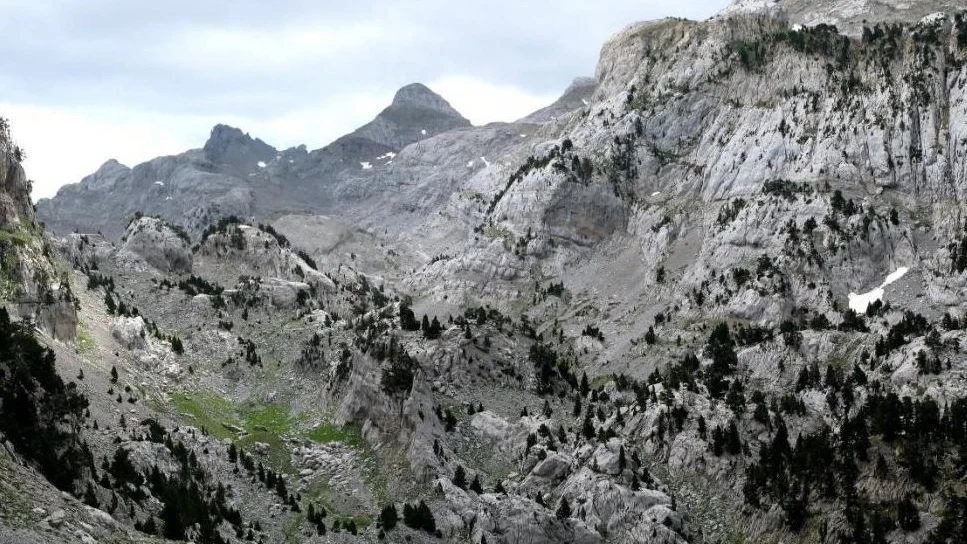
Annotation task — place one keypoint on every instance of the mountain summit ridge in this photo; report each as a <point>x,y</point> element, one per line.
<point>241,174</point>
<point>850,16</point>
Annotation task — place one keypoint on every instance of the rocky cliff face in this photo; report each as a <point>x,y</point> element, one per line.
<point>29,283</point>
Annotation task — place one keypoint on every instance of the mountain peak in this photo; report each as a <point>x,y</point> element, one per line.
<point>229,145</point>
<point>418,95</point>
<point>415,114</point>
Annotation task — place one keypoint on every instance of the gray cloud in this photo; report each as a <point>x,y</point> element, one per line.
<point>184,55</point>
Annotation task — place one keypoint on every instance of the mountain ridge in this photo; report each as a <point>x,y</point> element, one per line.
<point>243,175</point>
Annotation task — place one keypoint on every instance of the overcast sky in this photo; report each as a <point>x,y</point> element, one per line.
<point>83,81</point>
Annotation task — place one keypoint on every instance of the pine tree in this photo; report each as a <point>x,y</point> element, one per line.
<point>460,477</point>
<point>114,374</point>
<point>588,428</point>
<point>908,516</point>
<point>563,510</point>
<point>733,444</point>
<point>90,498</point>
<point>475,485</point>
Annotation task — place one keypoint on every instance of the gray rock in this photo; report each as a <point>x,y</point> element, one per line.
<point>130,333</point>
<point>56,519</point>
<point>158,245</point>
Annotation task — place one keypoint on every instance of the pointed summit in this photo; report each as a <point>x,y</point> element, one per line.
<point>418,95</point>
<point>416,113</point>
<point>229,145</point>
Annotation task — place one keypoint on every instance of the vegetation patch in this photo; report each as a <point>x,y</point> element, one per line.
<point>210,412</point>
<point>19,237</point>
<point>85,342</point>
<point>327,433</point>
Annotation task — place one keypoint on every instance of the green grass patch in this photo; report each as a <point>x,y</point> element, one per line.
<point>209,411</point>
<point>268,424</point>
<point>272,425</point>
<point>17,237</point>
<point>276,419</point>
<point>327,433</point>
<point>85,342</point>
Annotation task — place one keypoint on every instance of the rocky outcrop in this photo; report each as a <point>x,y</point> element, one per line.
<point>231,147</point>
<point>130,333</point>
<point>15,208</point>
<point>158,244</point>
<point>29,281</point>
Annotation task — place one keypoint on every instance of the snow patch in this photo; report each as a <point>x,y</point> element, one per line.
<point>859,303</point>
<point>423,132</point>
<point>366,165</point>
<point>388,155</point>
<point>484,159</point>
<point>523,135</point>
<point>584,101</point>
<point>261,164</point>
<point>656,193</point>
<point>470,164</point>
<point>160,183</point>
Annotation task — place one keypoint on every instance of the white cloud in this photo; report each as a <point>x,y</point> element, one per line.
<point>64,145</point>
<point>482,102</point>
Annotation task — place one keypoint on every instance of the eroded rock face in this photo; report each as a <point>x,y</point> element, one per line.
<point>130,333</point>
<point>15,207</point>
<point>28,280</point>
<point>159,245</point>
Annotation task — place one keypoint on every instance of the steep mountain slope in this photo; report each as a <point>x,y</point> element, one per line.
<point>640,319</point>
